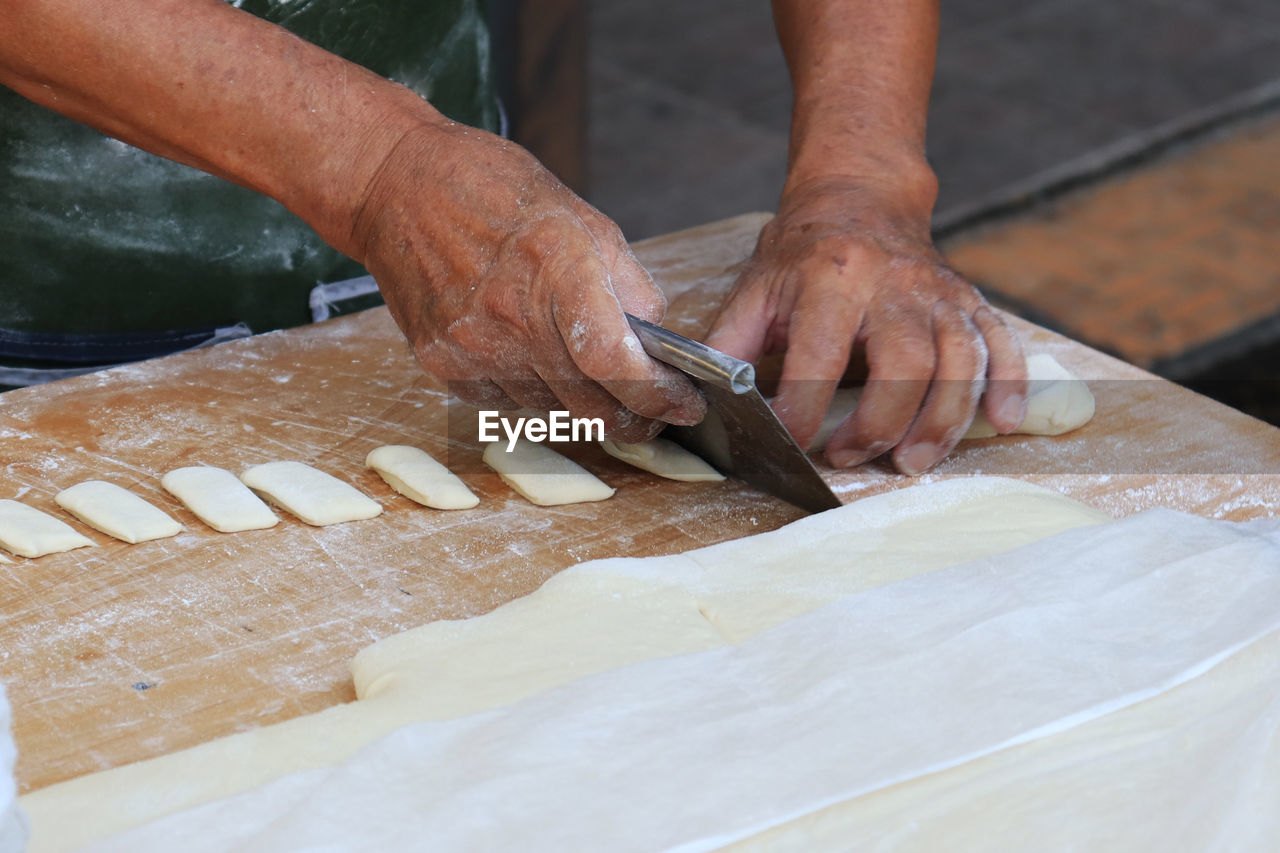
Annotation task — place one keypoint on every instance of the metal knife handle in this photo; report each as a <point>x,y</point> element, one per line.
<point>694,358</point>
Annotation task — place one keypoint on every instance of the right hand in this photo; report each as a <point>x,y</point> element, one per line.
<point>511,287</point>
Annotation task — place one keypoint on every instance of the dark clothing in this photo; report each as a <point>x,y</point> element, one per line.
<point>99,237</point>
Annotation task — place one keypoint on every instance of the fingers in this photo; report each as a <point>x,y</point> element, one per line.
<point>903,358</point>
<point>481,393</point>
<point>742,325</point>
<point>602,346</point>
<point>620,423</point>
<point>467,384</point>
<point>1005,402</point>
<point>631,283</point>
<point>530,393</point>
<point>932,415</point>
<point>953,395</point>
<point>821,332</point>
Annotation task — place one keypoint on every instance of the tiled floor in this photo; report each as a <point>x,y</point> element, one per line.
<point>690,99</point>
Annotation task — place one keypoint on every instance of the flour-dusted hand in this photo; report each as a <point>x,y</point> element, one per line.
<point>849,261</point>
<point>512,287</point>
<point>846,263</point>
<point>503,279</point>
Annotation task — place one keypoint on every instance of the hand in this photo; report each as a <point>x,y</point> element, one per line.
<point>511,287</point>
<point>850,262</point>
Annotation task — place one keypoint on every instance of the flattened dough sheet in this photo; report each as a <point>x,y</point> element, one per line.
<point>723,690</point>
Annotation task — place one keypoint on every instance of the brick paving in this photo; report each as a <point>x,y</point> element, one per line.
<point>1158,265</point>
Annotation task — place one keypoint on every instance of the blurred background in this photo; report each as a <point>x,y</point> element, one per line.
<point>1109,170</point>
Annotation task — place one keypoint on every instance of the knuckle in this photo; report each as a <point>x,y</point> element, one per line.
<point>631,427</point>
<point>914,357</point>
<point>645,399</point>
<point>602,362</point>
<point>433,359</point>
<point>502,305</point>
<point>959,341</point>
<point>848,253</point>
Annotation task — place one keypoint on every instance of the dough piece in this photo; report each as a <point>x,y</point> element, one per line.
<point>311,495</point>
<point>417,476</point>
<point>219,499</point>
<point>117,512</point>
<point>1058,401</point>
<point>28,532</point>
<point>543,476</point>
<point>665,458</point>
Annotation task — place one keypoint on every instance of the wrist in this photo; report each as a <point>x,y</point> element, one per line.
<point>891,171</point>
<point>334,193</point>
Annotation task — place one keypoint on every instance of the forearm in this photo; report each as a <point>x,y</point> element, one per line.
<point>203,83</point>
<point>861,72</point>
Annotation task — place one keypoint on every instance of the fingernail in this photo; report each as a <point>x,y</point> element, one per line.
<point>685,415</point>
<point>1013,411</point>
<point>849,457</point>
<point>655,427</point>
<point>918,458</point>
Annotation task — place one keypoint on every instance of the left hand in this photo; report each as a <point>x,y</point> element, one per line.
<point>850,261</point>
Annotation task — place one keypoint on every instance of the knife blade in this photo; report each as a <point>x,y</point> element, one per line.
<point>740,435</point>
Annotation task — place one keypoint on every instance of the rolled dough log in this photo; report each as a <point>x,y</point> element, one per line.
<point>117,512</point>
<point>219,499</point>
<point>311,495</point>
<point>1057,402</point>
<point>592,618</point>
<point>416,475</point>
<point>542,476</point>
<point>665,458</point>
<point>28,532</point>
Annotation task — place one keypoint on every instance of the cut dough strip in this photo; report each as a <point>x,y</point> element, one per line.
<point>543,476</point>
<point>665,458</point>
<point>313,496</point>
<point>219,499</point>
<point>117,512</point>
<point>28,532</point>
<point>417,476</point>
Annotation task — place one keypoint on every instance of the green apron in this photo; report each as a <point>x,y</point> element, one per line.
<point>102,244</point>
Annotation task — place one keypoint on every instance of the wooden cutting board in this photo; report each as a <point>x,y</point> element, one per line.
<point>117,653</point>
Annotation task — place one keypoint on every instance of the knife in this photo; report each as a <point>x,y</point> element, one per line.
<point>740,435</point>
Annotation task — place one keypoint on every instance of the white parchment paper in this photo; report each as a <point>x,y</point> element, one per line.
<point>1051,670</point>
<point>13,826</point>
